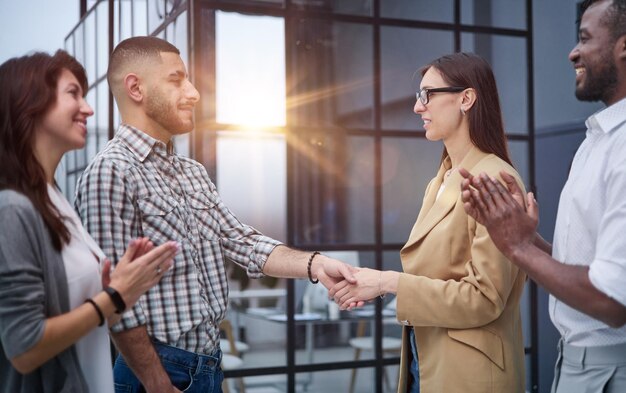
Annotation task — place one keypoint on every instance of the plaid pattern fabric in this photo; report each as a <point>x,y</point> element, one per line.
<point>136,187</point>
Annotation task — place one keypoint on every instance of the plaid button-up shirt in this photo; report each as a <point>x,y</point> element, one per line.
<point>134,187</point>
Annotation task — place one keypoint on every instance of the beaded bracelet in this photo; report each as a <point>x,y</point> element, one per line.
<point>98,310</point>
<point>308,267</point>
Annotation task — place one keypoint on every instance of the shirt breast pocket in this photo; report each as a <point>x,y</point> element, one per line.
<point>204,209</point>
<point>160,218</point>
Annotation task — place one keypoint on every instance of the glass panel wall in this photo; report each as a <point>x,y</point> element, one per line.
<point>251,168</point>
<point>507,56</point>
<point>408,165</point>
<point>494,13</point>
<point>250,69</point>
<point>351,7</point>
<point>251,173</point>
<point>418,10</point>
<point>88,43</point>
<point>403,51</point>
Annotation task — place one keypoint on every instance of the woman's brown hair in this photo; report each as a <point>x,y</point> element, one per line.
<point>486,128</point>
<point>29,90</point>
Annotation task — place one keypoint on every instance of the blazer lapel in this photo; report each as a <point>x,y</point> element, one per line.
<point>435,209</point>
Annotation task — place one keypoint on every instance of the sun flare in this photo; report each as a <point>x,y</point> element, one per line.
<point>250,70</point>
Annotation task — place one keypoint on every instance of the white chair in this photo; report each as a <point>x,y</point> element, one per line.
<point>366,343</point>
<point>230,360</point>
<point>240,347</point>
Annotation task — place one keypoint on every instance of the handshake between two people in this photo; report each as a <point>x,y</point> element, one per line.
<point>351,286</point>
<point>359,285</point>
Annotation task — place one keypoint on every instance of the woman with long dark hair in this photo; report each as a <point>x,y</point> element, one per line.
<point>458,296</point>
<point>57,291</point>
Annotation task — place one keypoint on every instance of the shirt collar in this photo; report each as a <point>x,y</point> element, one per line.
<point>142,144</point>
<point>608,119</point>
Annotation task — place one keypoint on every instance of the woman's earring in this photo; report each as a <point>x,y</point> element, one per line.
<point>463,111</point>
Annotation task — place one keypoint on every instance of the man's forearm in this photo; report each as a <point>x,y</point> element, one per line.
<point>542,244</point>
<point>142,358</point>
<point>570,284</point>
<point>288,263</point>
<point>285,262</point>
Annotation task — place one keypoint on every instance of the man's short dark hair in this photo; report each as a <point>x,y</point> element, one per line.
<point>134,50</point>
<point>615,18</point>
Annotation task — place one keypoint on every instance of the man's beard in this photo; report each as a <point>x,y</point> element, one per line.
<point>601,82</point>
<point>165,114</point>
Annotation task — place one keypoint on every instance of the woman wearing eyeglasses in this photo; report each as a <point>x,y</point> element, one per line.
<point>458,297</point>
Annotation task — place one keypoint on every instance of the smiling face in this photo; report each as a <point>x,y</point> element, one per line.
<point>64,126</point>
<point>170,96</point>
<point>594,63</point>
<point>442,114</point>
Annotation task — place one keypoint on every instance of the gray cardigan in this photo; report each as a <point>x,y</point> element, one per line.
<point>33,287</point>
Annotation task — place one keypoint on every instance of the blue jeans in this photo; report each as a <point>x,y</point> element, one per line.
<point>188,371</point>
<point>414,387</point>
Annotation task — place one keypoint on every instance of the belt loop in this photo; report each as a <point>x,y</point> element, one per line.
<point>574,355</point>
<point>583,355</point>
<point>198,364</point>
<point>580,355</point>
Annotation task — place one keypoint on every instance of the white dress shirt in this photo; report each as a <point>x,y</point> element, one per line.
<point>81,259</point>
<point>591,225</point>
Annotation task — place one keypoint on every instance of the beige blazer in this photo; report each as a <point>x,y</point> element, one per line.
<point>460,294</point>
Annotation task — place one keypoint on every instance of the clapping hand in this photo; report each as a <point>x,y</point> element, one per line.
<point>143,246</point>
<point>501,210</point>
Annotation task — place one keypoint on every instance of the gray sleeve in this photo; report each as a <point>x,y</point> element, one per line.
<point>22,316</point>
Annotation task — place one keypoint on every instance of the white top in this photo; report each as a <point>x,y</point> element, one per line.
<point>81,258</point>
<point>591,225</point>
<point>440,190</point>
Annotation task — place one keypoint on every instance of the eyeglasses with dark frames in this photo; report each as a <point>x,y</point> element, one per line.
<point>424,94</point>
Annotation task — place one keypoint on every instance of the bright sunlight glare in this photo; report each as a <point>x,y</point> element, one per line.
<point>250,57</point>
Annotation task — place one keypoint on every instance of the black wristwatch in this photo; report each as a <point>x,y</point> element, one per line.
<point>117,300</point>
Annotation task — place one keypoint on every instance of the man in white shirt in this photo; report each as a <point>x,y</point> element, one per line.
<point>585,269</point>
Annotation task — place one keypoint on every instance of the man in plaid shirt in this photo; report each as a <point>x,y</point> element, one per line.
<point>136,186</point>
